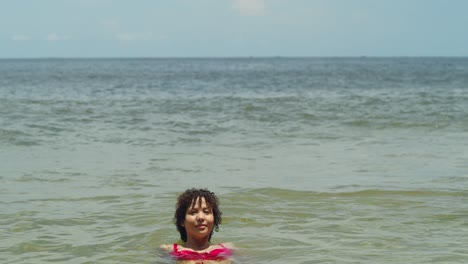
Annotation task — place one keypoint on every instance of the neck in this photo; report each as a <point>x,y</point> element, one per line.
<point>197,244</point>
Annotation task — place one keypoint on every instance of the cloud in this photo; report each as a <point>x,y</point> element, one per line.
<point>94,3</point>
<point>249,7</point>
<point>126,37</point>
<point>57,37</point>
<point>110,24</point>
<point>21,37</point>
<point>134,37</point>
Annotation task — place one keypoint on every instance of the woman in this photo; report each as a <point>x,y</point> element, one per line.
<point>197,215</point>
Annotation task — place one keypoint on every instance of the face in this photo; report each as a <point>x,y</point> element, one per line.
<point>199,220</point>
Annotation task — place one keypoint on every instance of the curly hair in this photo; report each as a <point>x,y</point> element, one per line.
<point>186,200</point>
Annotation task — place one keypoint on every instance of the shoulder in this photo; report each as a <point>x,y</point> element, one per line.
<point>169,247</point>
<point>227,245</point>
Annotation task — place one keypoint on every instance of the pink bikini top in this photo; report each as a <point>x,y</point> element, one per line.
<point>215,254</point>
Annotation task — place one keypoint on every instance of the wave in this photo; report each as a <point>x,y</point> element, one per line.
<point>17,138</point>
<point>278,193</point>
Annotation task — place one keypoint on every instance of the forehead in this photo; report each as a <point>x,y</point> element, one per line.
<point>199,202</point>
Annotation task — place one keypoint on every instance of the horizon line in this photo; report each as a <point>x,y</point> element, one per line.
<point>233,57</point>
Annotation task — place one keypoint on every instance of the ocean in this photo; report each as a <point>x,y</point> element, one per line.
<point>314,160</point>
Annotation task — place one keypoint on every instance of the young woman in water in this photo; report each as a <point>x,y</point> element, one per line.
<point>197,215</point>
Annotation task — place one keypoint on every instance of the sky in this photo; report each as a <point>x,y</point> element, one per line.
<point>232,28</point>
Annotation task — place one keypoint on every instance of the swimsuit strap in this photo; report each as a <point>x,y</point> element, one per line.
<point>175,248</point>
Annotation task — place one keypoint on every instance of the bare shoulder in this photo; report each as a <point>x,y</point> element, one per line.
<point>229,245</point>
<point>167,247</point>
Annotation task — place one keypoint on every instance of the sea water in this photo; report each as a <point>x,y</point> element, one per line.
<point>315,160</point>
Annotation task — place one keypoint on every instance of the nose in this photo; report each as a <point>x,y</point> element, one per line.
<point>200,217</point>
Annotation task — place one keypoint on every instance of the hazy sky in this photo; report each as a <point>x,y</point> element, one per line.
<point>225,28</point>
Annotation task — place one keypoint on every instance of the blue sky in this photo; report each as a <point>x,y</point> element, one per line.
<point>231,28</point>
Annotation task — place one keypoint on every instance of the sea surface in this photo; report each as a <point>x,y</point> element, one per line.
<point>314,160</point>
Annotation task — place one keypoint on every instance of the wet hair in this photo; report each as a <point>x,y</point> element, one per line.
<point>187,200</point>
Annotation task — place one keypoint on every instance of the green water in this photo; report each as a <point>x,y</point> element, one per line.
<point>267,225</point>
<point>315,160</point>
